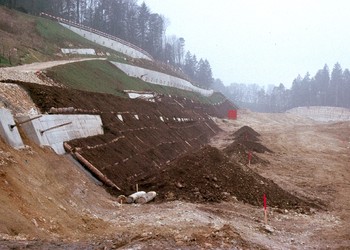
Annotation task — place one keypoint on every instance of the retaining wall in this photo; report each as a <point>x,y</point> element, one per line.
<point>322,114</point>
<point>101,39</point>
<point>80,126</point>
<point>159,78</point>
<point>79,51</point>
<point>10,134</point>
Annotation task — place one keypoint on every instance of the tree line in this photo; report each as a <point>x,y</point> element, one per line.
<point>324,89</point>
<point>129,21</point>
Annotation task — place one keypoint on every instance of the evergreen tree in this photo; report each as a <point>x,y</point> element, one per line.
<point>320,86</point>
<point>296,91</point>
<point>190,65</point>
<point>204,74</point>
<point>335,85</point>
<point>346,89</point>
<point>143,24</point>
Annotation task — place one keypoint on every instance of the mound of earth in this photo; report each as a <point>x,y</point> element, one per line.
<point>246,141</point>
<point>208,176</point>
<point>150,134</point>
<point>246,133</point>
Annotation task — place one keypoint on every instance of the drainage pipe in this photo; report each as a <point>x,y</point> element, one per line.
<point>95,171</point>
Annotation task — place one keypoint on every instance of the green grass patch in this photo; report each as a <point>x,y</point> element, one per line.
<point>54,33</point>
<point>4,62</point>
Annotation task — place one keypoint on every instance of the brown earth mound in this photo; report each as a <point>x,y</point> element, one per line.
<point>246,141</point>
<point>136,145</point>
<point>246,133</point>
<point>133,148</point>
<point>208,176</point>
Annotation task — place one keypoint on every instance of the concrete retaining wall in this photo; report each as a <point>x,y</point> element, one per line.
<point>107,42</point>
<point>159,78</point>
<point>79,51</point>
<point>80,126</point>
<point>322,114</point>
<point>10,135</point>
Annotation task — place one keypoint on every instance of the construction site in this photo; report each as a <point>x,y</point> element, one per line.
<point>81,133</point>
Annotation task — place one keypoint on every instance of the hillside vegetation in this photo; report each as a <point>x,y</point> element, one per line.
<point>33,39</point>
<point>26,39</point>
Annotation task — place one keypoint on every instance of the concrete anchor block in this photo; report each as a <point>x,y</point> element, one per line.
<point>8,129</point>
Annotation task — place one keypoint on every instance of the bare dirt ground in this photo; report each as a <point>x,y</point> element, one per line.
<point>50,203</point>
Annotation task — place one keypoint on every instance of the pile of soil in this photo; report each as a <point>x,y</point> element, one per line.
<point>209,176</point>
<point>136,145</point>
<point>246,141</point>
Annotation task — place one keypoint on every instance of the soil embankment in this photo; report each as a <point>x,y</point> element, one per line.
<point>148,135</point>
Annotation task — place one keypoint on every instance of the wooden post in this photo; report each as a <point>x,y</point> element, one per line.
<point>249,157</point>
<point>265,209</point>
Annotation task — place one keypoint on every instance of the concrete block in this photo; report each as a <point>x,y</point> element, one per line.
<point>47,130</point>
<point>10,135</point>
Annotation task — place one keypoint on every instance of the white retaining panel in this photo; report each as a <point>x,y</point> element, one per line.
<point>322,114</point>
<point>78,126</point>
<point>8,132</point>
<point>79,51</point>
<point>106,42</point>
<point>159,78</point>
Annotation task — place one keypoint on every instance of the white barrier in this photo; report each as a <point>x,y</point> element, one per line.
<point>107,42</point>
<point>79,51</point>
<point>159,78</point>
<point>8,130</point>
<point>322,114</point>
<point>53,130</point>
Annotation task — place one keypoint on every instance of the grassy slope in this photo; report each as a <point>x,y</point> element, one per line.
<point>104,77</point>
<point>39,39</point>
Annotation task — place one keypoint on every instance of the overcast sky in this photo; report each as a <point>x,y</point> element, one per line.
<point>261,41</point>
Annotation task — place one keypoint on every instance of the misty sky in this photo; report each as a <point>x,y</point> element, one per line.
<point>261,41</point>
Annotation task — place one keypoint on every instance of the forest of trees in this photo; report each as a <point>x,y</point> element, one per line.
<point>130,21</point>
<point>324,89</point>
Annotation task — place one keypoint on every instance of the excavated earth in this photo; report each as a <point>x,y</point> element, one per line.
<point>167,151</point>
<point>208,195</point>
<point>149,135</point>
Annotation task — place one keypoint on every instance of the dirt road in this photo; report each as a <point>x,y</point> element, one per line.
<point>27,72</point>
